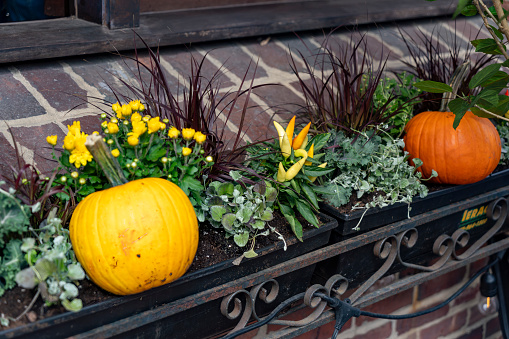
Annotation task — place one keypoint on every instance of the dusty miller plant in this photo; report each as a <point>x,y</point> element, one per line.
<point>241,210</point>
<point>36,257</point>
<point>372,164</point>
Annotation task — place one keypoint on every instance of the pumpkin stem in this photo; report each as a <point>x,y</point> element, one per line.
<point>455,82</point>
<point>102,155</point>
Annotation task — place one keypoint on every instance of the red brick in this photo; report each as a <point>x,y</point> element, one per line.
<point>476,266</point>
<point>34,138</point>
<point>469,294</point>
<point>381,332</point>
<point>492,327</point>
<point>446,326</point>
<point>445,281</point>
<point>7,157</point>
<point>406,325</point>
<point>56,86</point>
<point>473,334</point>
<point>237,61</point>
<point>387,306</point>
<point>15,100</point>
<point>326,331</point>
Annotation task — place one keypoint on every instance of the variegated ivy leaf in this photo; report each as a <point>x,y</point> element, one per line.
<point>74,306</point>
<point>28,243</point>
<point>267,215</point>
<point>217,212</point>
<point>259,224</point>
<point>26,278</point>
<point>250,254</point>
<point>236,175</point>
<point>75,271</point>
<point>228,220</point>
<point>241,239</point>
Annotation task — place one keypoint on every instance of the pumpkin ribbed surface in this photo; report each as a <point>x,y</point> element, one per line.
<point>136,236</point>
<point>462,156</point>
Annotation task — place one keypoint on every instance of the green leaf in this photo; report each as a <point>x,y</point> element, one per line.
<point>295,225</point>
<point>267,215</point>
<point>216,212</point>
<point>270,194</point>
<point>241,239</point>
<point>488,96</point>
<point>156,153</point>
<point>73,306</point>
<point>318,141</point>
<point>459,107</point>
<point>250,254</point>
<point>192,183</point>
<point>483,75</point>
<point>315,171</point>
<point>225,189</point>
<point>228,221</point>
<point>496,31</point>
<point>461,5</point>
<point>310,194</point>
<point>487,46</point>
<point>469,10</point>
<point>433,86</point>
<point>295,186</point>
<point>259,224</point>
<point>307,212</point>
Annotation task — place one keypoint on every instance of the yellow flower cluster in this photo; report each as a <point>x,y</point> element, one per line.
<point>125,110</point>
<point>74,142</point>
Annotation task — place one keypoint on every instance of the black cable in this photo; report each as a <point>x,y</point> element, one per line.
<point>338,305</point>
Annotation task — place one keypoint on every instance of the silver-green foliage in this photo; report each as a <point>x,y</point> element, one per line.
<point>36,257</point>
<point>53,267</point>
<point>242,211</point>
<point>369,164</point>
<point>14,222</point>
<point>503,131</point>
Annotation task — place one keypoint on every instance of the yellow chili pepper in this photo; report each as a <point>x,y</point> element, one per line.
<point>281,173</point>
<point>295,169</point>
<point>301,153</point>
<point>312,179</point>
<point>284,142</point>
<point>299,139</point>
<point>290,128</point>
<point>310,154</point>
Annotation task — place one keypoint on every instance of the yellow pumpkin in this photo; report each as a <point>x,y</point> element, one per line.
<point>135,236</point>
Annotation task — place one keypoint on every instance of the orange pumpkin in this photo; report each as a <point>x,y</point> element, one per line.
<point>462,156</point>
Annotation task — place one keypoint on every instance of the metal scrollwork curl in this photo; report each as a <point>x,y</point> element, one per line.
<point>266,291</point>
<point>246,312</point>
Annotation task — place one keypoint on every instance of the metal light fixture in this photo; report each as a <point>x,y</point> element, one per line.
<point>489,300</point>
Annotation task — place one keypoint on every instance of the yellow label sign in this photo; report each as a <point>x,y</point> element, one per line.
<point>473,218</point>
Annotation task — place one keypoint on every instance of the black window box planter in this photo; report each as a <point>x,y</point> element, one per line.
<point>195,322</point>
<point>376,217</point>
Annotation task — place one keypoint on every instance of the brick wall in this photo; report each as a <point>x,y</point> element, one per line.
<point>40,98</point>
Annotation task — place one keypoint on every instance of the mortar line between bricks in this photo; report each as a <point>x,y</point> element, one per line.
<point>288,51</point>
<point>78,79</point>
<point>278,75</point>
<point>399,53</point>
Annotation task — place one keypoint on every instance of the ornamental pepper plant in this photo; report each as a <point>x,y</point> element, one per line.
<point>294,164</point>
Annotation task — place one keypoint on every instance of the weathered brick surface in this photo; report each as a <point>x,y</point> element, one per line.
<point>446,326</point>
<point>473,333</point>
<point>492,327</point>
<point>406,325</point>
<point>387,306</point>
<point>16,101</point>
<point>447,280</point>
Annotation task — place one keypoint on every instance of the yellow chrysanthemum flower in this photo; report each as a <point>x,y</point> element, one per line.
<point>116,107</point>
<point>139,128</point>
<point>173,133</point>
<point>75,128</point>
<point>135,105</point>
<point>136,117</point>
<point>186,151</point>
<point>80,155</point>
<point>115,152</point>
<point>112,128</point>
<point>133,140</point>
<point>153,125</point>
<point>126,110</point>
<point>188,133</point>
<point>141,108</point>
<point>69,142</point>
<point>199,137</point>
<point>52,139</point>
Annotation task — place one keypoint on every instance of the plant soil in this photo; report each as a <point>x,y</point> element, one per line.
<point>213,248</point>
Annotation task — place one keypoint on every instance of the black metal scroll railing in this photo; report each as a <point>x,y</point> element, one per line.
<point>453,251</point>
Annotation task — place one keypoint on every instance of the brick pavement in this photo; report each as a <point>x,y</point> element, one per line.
<point>41,98</point>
